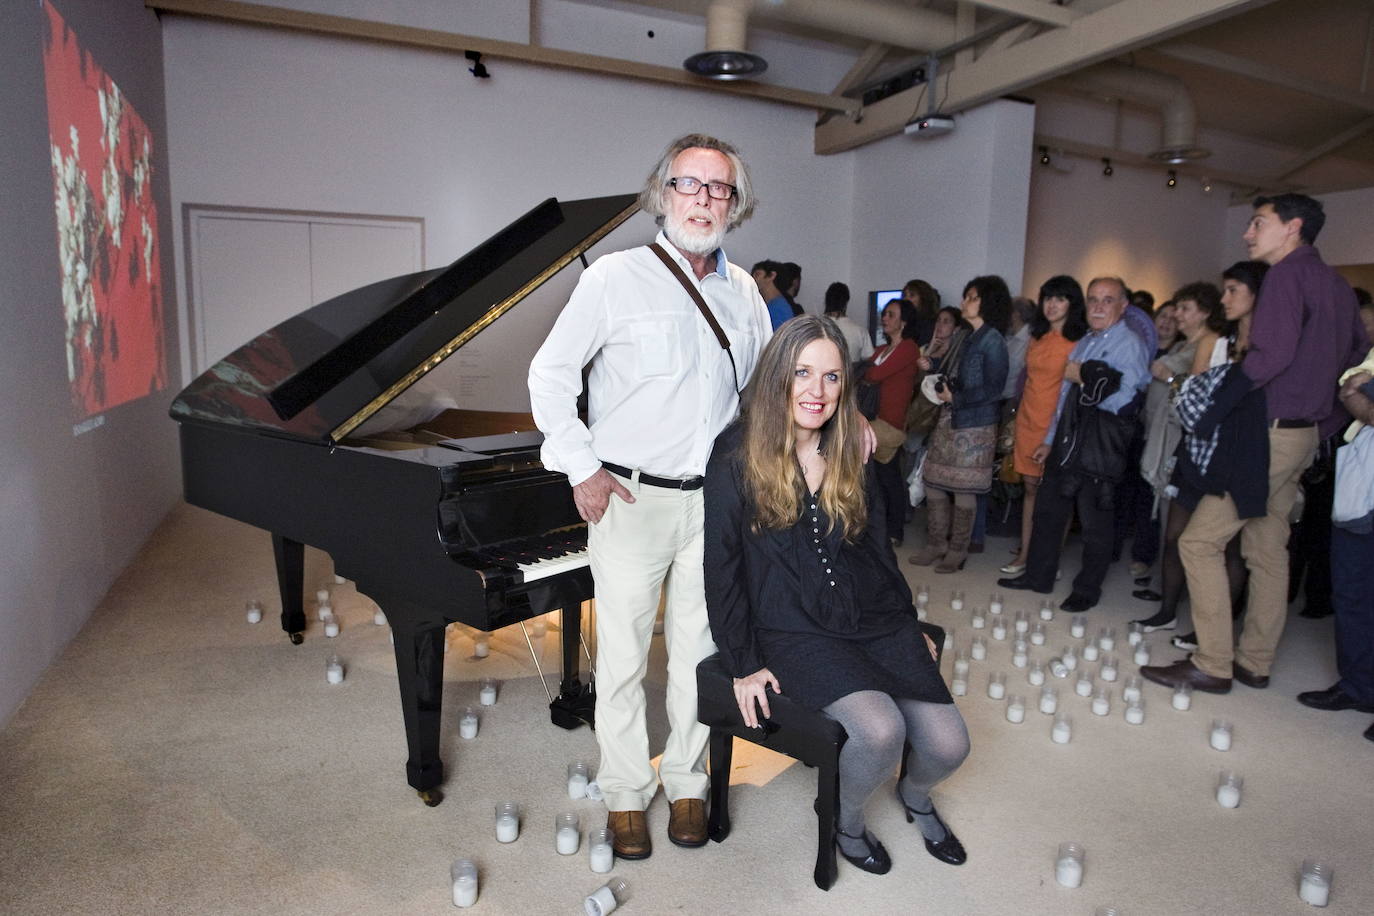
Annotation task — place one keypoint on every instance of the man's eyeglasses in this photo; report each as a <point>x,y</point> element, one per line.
<point>691,187</point>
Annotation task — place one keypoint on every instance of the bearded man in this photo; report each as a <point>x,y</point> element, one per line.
<point>660,388</point>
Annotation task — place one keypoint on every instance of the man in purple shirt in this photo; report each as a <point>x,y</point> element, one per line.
<point>1306,331</point>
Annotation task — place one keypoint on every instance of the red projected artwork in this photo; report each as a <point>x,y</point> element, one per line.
<point>106,229</point>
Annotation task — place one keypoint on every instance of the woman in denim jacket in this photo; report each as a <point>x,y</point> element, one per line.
<point>958,466</point>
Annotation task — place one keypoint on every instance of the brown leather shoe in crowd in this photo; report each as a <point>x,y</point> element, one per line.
<point>1185,672</point>
<point>631,831</point>
<point>687,822</point>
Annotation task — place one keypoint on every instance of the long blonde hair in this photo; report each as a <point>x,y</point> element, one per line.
<point>772,474</point>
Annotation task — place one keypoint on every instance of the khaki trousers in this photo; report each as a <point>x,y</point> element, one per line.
<point>633,551</point>
<point>1264,544</point>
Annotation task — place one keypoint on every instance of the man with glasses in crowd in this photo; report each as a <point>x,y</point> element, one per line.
<point>660,389</point>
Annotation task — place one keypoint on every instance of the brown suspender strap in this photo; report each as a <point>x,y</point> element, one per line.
<point>705,310</point>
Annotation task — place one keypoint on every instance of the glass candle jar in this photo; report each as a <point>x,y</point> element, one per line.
<point>253,611</point>
<point>1108,669</point>
<point>1022,623</point>
<point>1046,609</point>
<point>1037,634</point>
<point>578,776</point>
<point>1102,701</point>
<point>333,670</point>
<point>1221,735</point>
<point>1078,627</point>
<point>463,876</point>
<point>978,620</point>
<point>606,898</point>
<point>1314,885</point>
<point>1070,658</point>
<point>1068,864</point>
<point>467,723</point>
<point>1084,685</point>
<point>1132,689</point>
<point>1062,730</point>
<point>995,603</point>
<point>956,600</point>
<point>1229,784</point>
<point>978,650</point>
<point>600,851</point>
<point>961,663</point>
<point>958,686</point>
<point>997,685</point>
<point>486,694</point>
<point>1016,709</point>
<point>1019,653</point>
<point>507,822</point>
<point>1090,652</point>
<point>1183,697</point>
<point>1049,700</point>
<point>1142,654</point>
<point>1035,674</point>
<point>566,833</point>
<point>998,626</point>
<point>1106,639</point>
<point>1135,711</point>
<point>1135,634</point>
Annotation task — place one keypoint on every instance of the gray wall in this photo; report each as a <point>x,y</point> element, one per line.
<point>73,509</point>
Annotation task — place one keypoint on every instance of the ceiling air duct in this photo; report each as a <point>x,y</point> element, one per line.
<point>1156,90</point>
<point>725,57</point>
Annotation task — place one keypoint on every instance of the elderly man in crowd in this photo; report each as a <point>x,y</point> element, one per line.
<point>661,387</point>
<point>1306,331</point>
<point>1085,449</point>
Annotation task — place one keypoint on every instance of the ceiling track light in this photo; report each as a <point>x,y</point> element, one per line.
<point>1206,185</point>
<point>1173,179</point>
<point>1107,167</point>
<point>1044,155</point>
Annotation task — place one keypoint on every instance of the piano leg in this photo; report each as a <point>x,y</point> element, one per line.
<point>575,704</point>
<point>419,638</point>
<point>290,557</point>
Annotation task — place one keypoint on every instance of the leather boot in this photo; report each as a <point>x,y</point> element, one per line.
<point>961,531</point>
<point>937,534</point>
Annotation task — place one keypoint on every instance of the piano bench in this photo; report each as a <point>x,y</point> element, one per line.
<point>802,734</point>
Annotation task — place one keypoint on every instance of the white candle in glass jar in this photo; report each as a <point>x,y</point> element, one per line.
<point>1046,612</point>
<point>1135,713</point>
<point>999,628</point>
<point>1068,871</point>
<point>467,725</point>
<point>1142,654</point>
<point>1108,671</point>
<point>333,670</point>
<point>331,626</point>
<point>601,858</point>
<point>1016,711</point>
<point>253,611</point>
<point>1090,652</point>
<point>1078,628</point>
<point>1314,890</point>
<point>979,650</point>
<point>958,686</point>
<point>1036,675</point>
<point>956,602</point>
<point>1084,686</point>
<point>1049,701</point>
<point>995,604</point>
<point>566,835</point>
<point>1183,698</point>
<point>1061,732</point>
<point>507,823</point>
<point>1228,796</point>
<point>487,694</point>
<point>978,621</point>
<point>463,875</point>
<point>1101,705</point>
<point>997,687</point>
<point>1221,736</point>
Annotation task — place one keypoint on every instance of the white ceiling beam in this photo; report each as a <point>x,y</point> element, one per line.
<point>1034,10</point>
<point>1124,26</point>
<point>386,33</point>
<point>1264,73</point>
<point>965,22</point>
<point>863,68</point>
<point>1013,36</point>
<point>1307,157</point>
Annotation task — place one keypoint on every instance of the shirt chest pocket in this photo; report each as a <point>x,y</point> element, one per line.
<point>657,345</point>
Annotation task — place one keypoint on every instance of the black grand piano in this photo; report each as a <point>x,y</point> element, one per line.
<point>454,521</point>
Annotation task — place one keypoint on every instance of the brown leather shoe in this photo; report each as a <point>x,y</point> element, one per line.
<point>687,822</point>
<point>1248,677</point>
<point>631,831</point>
<point>1185,672</point>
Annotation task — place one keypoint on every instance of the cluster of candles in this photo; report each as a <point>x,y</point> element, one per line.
<point>603,900</point>
<point>1315,879</point>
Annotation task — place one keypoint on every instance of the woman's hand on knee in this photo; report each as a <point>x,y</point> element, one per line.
<point>753,689</point>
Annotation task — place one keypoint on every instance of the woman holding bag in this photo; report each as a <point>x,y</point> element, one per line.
<point>959,464</point>
<point>893,369</point>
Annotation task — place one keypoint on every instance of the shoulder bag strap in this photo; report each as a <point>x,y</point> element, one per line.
<point>702,307</point>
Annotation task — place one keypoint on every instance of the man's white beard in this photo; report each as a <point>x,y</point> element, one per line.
<point>685,239</point>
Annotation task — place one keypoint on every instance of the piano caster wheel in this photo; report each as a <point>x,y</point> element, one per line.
<point>297,638</point>
<point>431,797</point>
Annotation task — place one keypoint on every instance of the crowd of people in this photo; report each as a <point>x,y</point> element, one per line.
<point>752,466</point>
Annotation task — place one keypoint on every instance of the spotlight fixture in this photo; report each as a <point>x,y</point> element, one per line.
<point>726,65</point>
<point>1206,186</point>
<point>478,69</point>
<point>1173,179</point>
<point>1044,155</point>
<point>1107,167</point>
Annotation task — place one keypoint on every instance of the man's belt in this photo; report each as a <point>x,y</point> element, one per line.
<point>668,483</point>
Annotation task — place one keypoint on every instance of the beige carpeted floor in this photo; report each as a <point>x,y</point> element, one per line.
<point>177,759</point>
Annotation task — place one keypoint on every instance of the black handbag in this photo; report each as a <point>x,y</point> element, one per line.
<point>866,398</point>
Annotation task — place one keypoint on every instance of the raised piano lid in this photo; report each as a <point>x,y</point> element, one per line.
<point>319,375</point>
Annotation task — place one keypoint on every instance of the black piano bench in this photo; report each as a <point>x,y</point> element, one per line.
<point>802,734</point>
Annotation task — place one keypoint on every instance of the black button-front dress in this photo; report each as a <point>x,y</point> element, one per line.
<point>826,616</point>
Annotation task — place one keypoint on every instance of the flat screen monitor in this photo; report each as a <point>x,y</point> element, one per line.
<point>877,301</point>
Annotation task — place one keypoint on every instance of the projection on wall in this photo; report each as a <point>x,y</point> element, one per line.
<point>112,298</point>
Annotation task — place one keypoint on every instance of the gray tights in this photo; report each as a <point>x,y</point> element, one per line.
<point>878,725</point>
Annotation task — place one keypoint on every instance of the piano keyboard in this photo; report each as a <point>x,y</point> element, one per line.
<point>540,556</point>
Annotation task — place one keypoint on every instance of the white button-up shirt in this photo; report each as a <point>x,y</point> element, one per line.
<point>660,388</point>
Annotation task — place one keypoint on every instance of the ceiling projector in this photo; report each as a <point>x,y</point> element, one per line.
<point>933,125</point>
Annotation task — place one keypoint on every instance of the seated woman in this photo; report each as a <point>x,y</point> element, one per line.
<point>804,595</point>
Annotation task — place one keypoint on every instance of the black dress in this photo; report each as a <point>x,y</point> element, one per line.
<point>827,617</point>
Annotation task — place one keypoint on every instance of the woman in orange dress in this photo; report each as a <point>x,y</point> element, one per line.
<point>1059,322</point>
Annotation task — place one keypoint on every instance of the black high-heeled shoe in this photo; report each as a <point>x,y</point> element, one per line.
<point>948,850</point>
<point>877,862</point>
